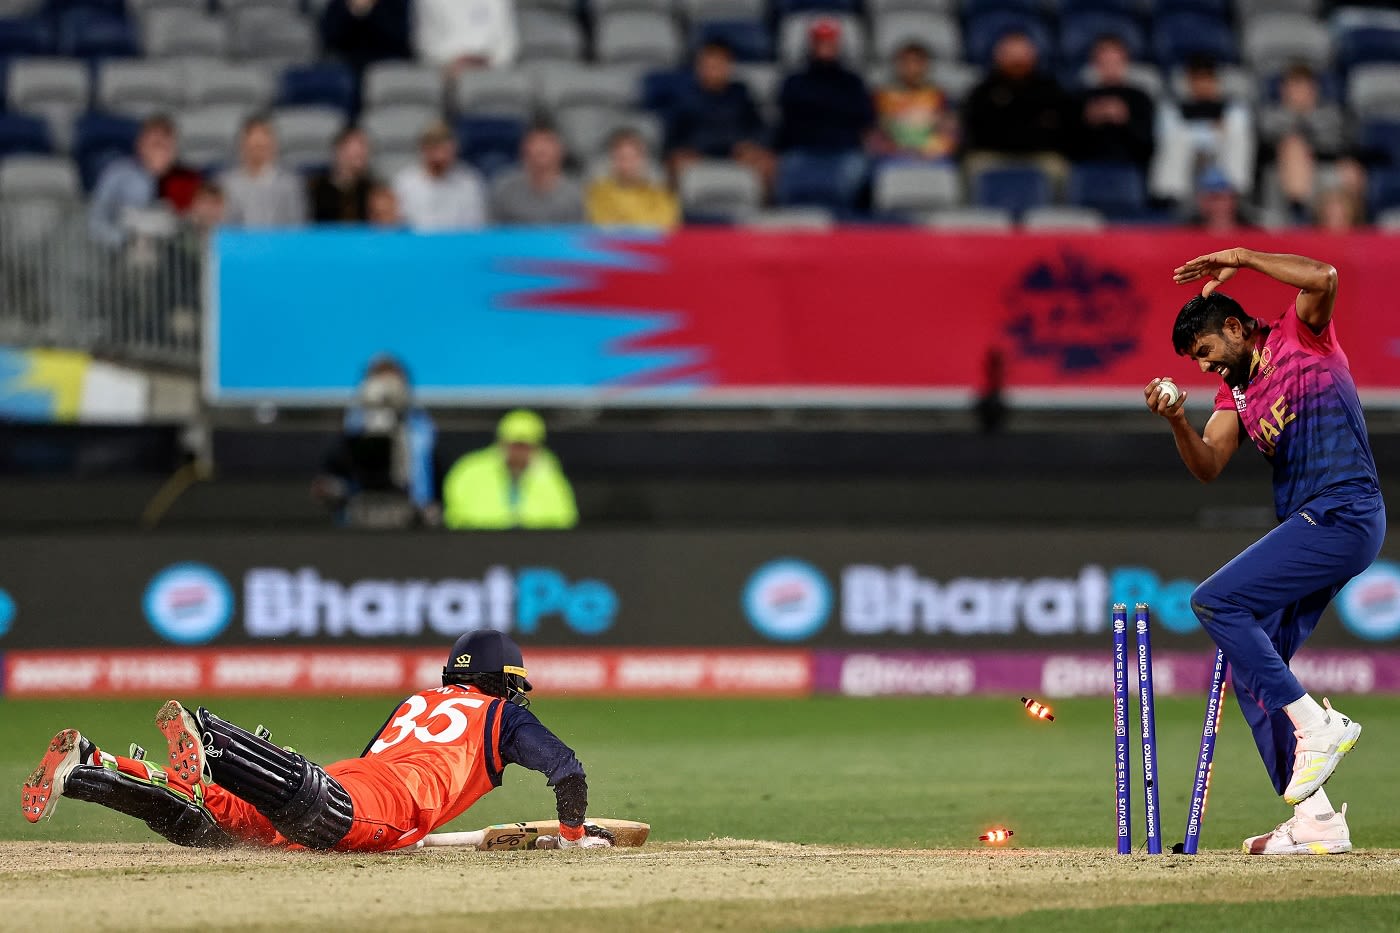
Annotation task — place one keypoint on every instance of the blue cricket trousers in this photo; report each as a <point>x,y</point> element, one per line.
<point>1260,608</point>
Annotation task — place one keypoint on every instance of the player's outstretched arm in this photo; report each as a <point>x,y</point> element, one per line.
<point>1316,281</point>
<point>1205,454</point>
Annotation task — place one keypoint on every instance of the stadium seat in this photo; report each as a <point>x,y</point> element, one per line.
<point>1272,43</point>
<point>21,133</point>
<point>984,29</point>
<point>956,79</point>
<point>971,219</point>
<point>139,88</point>
<point>572,84</point>
<point>35,84</point>
<point>489,143</point>
<point>782,8</point>
<point>389,83</point>
<point>61,7</point>
<point>906,188</point>
<point>1058,218</point>
<point>1079,32</point>
<point>1380,139</point>
<point>210,83</point>
<point>936,31</point>
<point>1180,36</point>
<point>749,39</point>
<point>1367,46</point>
<point>1236,82</point>
<point>1143,76</point>
<point>1383,190</point>
<point>100,137</point>
<point>1246,10</point>
<point>546,36</point>
<point>714,189</point>
<point>637,38</point>
<point>142,8</point>
<point>586,128</point>
<point>269,34</point>
<point>176,32</point>
<point>305,134</point>
<point>494,93</point>
<point>793,38</point>
<point>790,219</point>
<point>327,84</point>
<point>1374,91</point>
<point>1388,221</point>
<point>208,134</point>
<point>85,33</point>
<point>601,8</point>
<point>980,7</point>
<point>660,90</point>
<point>699,11</point>
<point>878,8</point>
<point>1134,9</point>
<point>11,9</point>
<point>53,178</point>
<point>1015,190</point>
<point>395,129</point>
<point>25,36</point>
<point>1218,10</point>
<point>567,7</point>
<point>829,180</point>
<point>762,82</point>
<point>1119,192</point>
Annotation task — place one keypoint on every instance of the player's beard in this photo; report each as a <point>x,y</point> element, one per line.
<point>1238,368</point>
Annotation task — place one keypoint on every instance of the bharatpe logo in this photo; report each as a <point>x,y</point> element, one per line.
<point>1073,313</point>
<point>1370,604</point>
<point>279,603</point>
<point>787,600</point>
<point>188,604</point>
<point>7,612</point>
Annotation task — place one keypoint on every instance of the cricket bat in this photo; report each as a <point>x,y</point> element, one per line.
<point>507,837</point>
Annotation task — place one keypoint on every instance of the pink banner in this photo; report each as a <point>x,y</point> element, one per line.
<point>900,314</point>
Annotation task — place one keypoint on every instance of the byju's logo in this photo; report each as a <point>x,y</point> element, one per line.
<point>1073,313</point>
<point>787,600</point>
<point>188,603</point>
<point>1370,604</point>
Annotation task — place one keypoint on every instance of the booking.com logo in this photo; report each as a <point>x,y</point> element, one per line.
<point>787,600</point>
<point>188,603</point>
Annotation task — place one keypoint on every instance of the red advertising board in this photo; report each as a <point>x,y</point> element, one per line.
<point>306,672</point>
<point>889,314</point>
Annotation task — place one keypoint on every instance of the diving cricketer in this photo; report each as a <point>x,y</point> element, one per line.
<point>1288,387</point>
<point>439,752</point>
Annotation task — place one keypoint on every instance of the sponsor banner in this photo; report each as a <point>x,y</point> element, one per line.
<point>340,672</point>
<point>69,386</point>
<point>950,589</point>
<point>1049,675</point>
<point>711,316</point>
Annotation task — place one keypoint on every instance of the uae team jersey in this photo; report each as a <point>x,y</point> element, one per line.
<point>1302,412</point>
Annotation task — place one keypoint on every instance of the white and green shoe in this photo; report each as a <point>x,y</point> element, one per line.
<point>1318,754</point>
<point>1304,835</point>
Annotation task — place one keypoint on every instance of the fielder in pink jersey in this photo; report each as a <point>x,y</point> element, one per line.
<point>1287,387</point>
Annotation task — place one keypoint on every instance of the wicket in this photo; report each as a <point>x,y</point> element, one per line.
<point>1147,716</point>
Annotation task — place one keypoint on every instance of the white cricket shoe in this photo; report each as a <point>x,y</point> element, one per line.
<point>40,792</point>
<point>1304,835</point>
<point>1318,754</point>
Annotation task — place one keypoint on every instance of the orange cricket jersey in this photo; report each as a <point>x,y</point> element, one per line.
<point>438,755</point>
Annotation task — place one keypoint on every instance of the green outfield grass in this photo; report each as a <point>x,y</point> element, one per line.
<point>886,772</point>
<point>875,778</point>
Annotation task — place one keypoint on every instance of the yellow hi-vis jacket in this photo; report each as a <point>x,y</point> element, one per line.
<point>476,494</point>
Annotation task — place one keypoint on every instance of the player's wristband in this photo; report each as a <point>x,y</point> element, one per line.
<point>571,833</point>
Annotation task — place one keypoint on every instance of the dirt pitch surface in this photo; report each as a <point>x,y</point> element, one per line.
<point>720,884</point>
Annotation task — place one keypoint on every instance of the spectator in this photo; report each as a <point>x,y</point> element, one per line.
<point>916,118</point>
<point>1296,132</point>
<point>383,471</point>
<point>538,191</point>
<point>1204,129</point>
<point>138,183</point>
<point>339,194</point>
<point>362,32</point>
<point>1217,204</point>
<point>825,107</point>
<point>627,196</point>
<point>439,193</point>
<point>383,207</point>
<point>260,192</point>
<point>1339,211</point>
<point>457,35</point>
<point>515,483</point>
<point>716,118</point>
<point>1017,113</point>
<point>1116,119</point>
